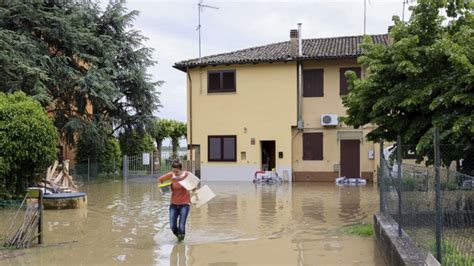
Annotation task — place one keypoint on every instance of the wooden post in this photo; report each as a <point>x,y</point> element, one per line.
<point>40,220</point>
<point>37,193</point>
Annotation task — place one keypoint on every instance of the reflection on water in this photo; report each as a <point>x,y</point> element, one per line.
<point>291,224</point>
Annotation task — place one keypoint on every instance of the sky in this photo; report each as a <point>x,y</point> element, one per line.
<point>170,26</point>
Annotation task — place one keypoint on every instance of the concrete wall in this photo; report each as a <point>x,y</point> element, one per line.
<point>395,250</point>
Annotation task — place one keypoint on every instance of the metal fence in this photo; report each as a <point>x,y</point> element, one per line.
<point>150,164</point>
<point>90,172</point>
<point>431,199</point>
<point>146,164</point>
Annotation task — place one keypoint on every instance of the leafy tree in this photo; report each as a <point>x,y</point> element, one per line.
<point>422,80</point>
<point>160,129</point>
<point>133,142</point>
<point>88,67</point>
<point>178,131</point>
<point>28,142</point>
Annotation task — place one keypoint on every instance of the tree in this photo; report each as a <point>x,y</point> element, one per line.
<point>134,142</point>
<point>424,79</point>
<point>160,130</point>
<point>28,142</point>
<point>178,130</point>
<point>87,67</point>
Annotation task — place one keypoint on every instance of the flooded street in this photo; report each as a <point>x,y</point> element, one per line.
<point>288,224</point>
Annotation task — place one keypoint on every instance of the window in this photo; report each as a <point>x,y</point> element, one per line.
<point>221,81</point>
<point>312,146</point>
<point>222,148</point>
<point>343,85</point>
<point>313,83</point>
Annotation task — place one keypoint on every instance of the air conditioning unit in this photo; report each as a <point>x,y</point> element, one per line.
<point>329,120</point>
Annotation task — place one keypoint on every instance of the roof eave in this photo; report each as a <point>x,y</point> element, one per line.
<point>184,67</point>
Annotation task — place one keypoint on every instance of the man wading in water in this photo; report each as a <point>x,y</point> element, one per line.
<point>180,199</point>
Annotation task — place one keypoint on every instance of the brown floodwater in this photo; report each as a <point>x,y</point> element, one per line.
<point>287,224</point>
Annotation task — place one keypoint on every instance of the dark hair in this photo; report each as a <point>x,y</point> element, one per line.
<point>176,164</point>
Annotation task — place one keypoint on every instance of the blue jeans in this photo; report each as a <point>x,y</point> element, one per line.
<point>178,225</point>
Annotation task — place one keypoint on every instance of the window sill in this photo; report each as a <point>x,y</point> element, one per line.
<point>221,92</point>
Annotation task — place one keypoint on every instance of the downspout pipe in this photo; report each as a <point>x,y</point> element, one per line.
<point>190,106</point>
<point>299,63</point>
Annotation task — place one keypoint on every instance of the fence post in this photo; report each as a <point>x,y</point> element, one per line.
<point>399,162</point>
<point>124,166</point>
<point>381,178</point>
<point>40,219</point>
<point>439,211</point>
<point>151,162</point>
<point>88,170</point>
<point>114,166</point>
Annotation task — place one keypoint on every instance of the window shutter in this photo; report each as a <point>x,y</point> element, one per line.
<point>229,148</point>
<point>343,85</point>
<point>313,146</point>
<point>214,81</point>
<point>228,81</point>
<point>215,148</point>
<point>313,83</point>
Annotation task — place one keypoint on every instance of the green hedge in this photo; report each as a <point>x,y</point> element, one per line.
<point>28,142</point>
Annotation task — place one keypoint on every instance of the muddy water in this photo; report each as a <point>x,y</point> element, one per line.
<point>127,222</point>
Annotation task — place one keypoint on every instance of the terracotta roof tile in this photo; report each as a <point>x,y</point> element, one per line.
<point>321,48</point>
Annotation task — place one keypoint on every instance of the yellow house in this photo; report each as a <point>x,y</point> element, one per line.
<point>277,107</point>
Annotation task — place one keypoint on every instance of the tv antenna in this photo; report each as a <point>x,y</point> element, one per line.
<point>405,2</point>
<point>201,8</point>
<point>365,15</point>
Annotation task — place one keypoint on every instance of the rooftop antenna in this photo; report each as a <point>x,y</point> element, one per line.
<point>201,8</point>
<point>405,2</point>
<point>403,11</point>
<point>365,15</point>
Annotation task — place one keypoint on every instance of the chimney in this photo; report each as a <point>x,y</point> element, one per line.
<point>294,43</point>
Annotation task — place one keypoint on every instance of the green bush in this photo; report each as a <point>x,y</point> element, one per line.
<point>449,185</point>
<point>408,183</point>
<point>109,156</point>
<point>28,142</point>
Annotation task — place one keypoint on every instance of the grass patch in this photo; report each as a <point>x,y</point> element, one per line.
<point>364,230</point>
<point>451,255</point>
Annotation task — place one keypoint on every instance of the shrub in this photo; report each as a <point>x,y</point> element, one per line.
<point>109,156</point>
<point>28,142</point>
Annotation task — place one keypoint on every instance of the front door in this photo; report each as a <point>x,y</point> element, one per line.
<point>268,155</point>
<point>350,158</point>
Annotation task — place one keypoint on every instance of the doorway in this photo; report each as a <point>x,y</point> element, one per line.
<point>268,155</point>
<point>350,158</point>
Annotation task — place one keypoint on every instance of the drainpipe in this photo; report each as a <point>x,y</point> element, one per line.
<point>299,63</point>
<point>190,144</point>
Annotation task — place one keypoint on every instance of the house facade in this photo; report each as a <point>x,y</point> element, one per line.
<point>270,107</point>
